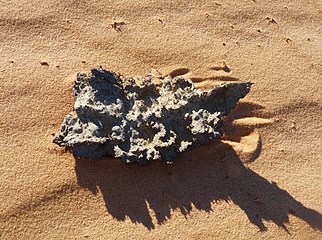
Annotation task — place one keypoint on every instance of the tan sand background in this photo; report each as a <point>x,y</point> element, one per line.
<point>263,181</point>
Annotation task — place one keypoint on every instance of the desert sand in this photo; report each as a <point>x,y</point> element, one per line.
<point>262,181</point>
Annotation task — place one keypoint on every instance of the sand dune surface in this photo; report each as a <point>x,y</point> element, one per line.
<point>262,181</point>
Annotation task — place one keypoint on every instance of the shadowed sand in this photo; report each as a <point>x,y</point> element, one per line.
<point>217,175</point>
<point>200,177</point>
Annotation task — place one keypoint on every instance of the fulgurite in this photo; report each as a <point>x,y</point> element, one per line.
<point>137,120</point>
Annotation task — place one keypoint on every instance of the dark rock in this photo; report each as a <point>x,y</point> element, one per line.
<point>138,120</point>
<point>44,64</point>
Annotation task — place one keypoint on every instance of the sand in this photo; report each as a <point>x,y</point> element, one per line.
<point>263,180</point>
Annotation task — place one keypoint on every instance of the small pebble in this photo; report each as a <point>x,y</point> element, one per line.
<point>288,40</point>
<point>271,20</point>
<point>44,63</point>
<point>293,125</point>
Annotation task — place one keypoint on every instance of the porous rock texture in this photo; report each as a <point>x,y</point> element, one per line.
<point>136,119</point>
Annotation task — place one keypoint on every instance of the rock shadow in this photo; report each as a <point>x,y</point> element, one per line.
<point>200,177</point>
